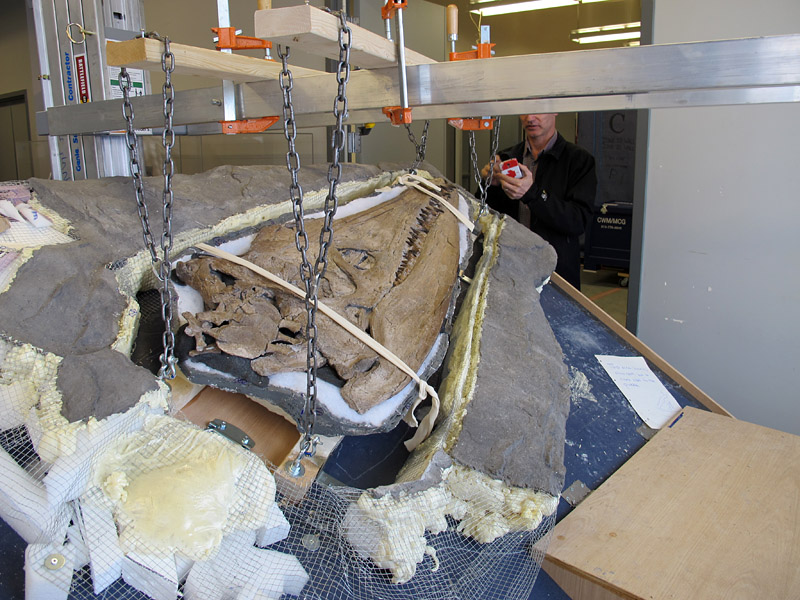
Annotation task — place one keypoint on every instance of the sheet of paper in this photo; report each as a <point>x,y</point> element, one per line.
<point>647,395</point>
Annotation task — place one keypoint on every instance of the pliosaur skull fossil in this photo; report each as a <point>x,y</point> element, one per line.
<point>391,270</point>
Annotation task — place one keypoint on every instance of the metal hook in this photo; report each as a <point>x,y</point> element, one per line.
<point>83,32</point>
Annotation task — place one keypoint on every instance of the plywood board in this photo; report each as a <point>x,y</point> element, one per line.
<point>709,508</point>
<point>145,53</point>
<point>181,391</point>
<point>274,436</point>
<point>317,32</point>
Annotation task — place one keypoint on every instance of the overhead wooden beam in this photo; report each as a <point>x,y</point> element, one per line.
<point>317,32</point>
<point>145,53</point>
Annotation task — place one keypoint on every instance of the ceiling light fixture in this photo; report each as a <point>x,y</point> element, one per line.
<point>518,7</point>
<point>607,33</point>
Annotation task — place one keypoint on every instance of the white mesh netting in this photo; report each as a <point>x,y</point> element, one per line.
<point>146,505</point>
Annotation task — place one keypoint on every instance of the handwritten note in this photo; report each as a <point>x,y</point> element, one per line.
<point>646,394</point>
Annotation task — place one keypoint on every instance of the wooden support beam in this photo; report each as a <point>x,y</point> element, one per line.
<point>145,53</point>
<point>317,32</point>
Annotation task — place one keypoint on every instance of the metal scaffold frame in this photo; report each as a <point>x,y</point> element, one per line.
<point>725,72</point>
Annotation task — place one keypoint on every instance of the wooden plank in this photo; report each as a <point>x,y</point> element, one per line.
<point>585,588</point>
<point>145,53</point>
<point>274,436</point>
<point>181,391</point>
<point>317,32</point>
<point>642,348</point>
<point>295,488</point>
<point>709,508</point>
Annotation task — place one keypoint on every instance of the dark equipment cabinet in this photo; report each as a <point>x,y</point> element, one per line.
<point>608,237</point>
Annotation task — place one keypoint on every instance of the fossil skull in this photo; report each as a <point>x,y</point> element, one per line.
<point>391,271</point>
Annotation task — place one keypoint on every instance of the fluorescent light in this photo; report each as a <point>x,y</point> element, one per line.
<point>607,33</point>
<point>522,7</point>
<point>604,28</point>
<point>527,6</point>
<point>608,37</point>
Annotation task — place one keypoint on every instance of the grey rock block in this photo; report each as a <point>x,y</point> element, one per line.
<point>64,300</point>
<point>515,425</point>
<point>100,384</point>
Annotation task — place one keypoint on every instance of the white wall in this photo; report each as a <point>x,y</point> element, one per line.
<point>720,291</point>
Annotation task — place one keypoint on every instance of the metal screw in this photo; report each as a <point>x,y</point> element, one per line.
<point>295,468</point>
<point>54,562</point>
<point>216,102</point>
<point>310,542</point>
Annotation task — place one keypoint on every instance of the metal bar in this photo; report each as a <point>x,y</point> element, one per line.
<point>228,91</point>
<point>745,71</point>
<point>401,58</point>
<point>45,77</point>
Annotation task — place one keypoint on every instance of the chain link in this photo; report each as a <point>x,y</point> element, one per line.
<point>420,148</point>
<point>483,185</point>
<point>167,358</point>
<point>312,276</point>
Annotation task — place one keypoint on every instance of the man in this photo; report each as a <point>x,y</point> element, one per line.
<point>555,195</point>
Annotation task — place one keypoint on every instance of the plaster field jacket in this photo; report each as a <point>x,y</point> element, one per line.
<point>561,200</point>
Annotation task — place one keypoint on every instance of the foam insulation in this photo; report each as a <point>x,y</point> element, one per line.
<point>176,488</point>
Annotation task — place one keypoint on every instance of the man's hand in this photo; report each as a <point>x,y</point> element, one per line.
<point>485,170</point>
<point>514,188</point>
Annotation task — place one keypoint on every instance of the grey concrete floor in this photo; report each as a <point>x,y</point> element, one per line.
<point>603,287</point>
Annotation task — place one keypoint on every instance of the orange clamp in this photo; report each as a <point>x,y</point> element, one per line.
<point>248,125</point>
<point>397,114</point>
<point>483,51</point>
<point>388,9</point>
<point>472,124</point>
<point>228,39</point>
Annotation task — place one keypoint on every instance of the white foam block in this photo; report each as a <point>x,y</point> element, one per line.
<point>24,506</point>
<point>81,551</point>
<point>182,566</point>
<point>275,529</point>
<point>100,535</point>
<point>278,573</point>
<point>240,570</point>
<point>43,583</point>
<point>155,576</point>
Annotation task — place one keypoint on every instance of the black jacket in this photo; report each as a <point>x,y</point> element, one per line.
<point>561,200</point>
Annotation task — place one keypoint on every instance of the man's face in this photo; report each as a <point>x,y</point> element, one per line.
<point>541,125</point>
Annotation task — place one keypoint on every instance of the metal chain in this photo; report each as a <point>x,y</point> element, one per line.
<point>167,358</point>
<point>135,167</point>
<point>167,370</point>
<point>483,185</point>
<point>420,147</point>
<point>311,277</point>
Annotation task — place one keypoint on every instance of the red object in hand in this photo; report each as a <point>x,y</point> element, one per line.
<point>511,168</point>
